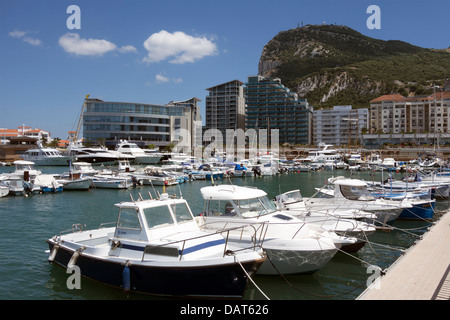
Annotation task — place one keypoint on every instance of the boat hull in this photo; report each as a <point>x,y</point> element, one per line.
<point>215,281</point>
<point>294,261</point>
<point>419,211</point>
<point>78,184</point>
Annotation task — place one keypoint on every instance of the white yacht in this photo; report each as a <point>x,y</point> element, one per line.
<point>292,246</point>
<point>94,155</point>
<point>42,156</point>
<point>322,154</point>
<point>140,156</point>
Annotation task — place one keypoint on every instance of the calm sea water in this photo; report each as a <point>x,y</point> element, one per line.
<point>26,223</point>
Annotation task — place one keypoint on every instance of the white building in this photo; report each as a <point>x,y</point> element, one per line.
<point>341,125</point>
<point>398,114</point>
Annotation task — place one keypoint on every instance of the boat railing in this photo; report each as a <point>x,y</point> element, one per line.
<point>256,242</point>
<point>77,227</point>
<point>105,224</point>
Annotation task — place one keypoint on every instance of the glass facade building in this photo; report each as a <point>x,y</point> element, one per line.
<point>270,105</point>
<point>225,107</point>
<point>109,122</point>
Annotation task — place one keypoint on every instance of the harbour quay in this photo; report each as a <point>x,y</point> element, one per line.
<point>422,273</point>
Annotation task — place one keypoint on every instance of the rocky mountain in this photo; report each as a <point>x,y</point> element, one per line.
<point>334,65</point>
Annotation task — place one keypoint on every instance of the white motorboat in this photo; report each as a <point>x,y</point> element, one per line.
<point>292,245</point>
<point>354,194</point>
<point>47,183</point>
<point>44,156</point>
<point>75,182</point>
<point>125,166</point>
<point>4,191</point>
<point>440,188</point>
<point>388,164</point>
<point>140,156</point>
<point>25,170</point>
<point>343,222</point>
<point>354,158</point>
<point>157,248</point>
<point>18,187</point>
<point>155,176</point>
<point>110,182</point>
<point>83,168</point>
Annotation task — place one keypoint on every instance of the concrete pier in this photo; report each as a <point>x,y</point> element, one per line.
<point>422,273</point>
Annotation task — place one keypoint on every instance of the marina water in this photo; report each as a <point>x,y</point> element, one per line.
<point>26,223</point>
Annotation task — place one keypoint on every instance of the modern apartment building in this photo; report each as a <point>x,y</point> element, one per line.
<point>144,124</point>
<point>398,114</point>
<point>341,125</point>
<point>270,105</point>
<point>225,107</point>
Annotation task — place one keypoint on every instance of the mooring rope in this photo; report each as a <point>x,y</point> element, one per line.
<point>249,277</point>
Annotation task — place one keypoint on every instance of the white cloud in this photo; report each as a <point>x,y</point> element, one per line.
<point>160,78</point>
<point>72,43</point>
<point>23,35</point>
<point>128,48</point>
<point>17,34</point>
<point>184,48</point>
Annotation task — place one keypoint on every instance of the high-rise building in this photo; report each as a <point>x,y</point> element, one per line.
<point>270,105</point>
<point>225,107</point>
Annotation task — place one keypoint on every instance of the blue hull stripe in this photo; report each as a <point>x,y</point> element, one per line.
<point>185,251</point>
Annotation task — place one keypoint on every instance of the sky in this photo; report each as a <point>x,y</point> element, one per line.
<point>53,54</point>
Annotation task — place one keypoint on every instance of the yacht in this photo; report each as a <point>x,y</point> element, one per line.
<point>43,156</point>
<point>95,155</point>
<point>140,156</point>
<point>323,153</point>
<point>292,246</point>
<point>157,247</point>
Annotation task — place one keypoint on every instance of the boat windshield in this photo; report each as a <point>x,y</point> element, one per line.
<point>181,212</point>
<point>157,216</point>
<point>252,208</point>
<point>248,208</point>
<point>290,197</point>
<point>356,193</point>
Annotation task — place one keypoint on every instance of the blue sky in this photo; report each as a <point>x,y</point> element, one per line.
<point>158,51</point>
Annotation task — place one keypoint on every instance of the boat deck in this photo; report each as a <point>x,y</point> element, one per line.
<point>422,273</point>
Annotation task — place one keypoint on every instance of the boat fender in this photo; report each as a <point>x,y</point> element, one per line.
<point>126,280</point>
<point>52,255</point>
<point>74,258</point>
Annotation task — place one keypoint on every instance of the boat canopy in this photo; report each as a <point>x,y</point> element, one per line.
<point>231,192</point>
<point>141,220</point>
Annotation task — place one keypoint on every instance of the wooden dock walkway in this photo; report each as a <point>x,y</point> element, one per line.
<point>422,273</point>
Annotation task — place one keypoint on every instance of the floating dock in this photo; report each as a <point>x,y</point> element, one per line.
<point>422,273</point>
